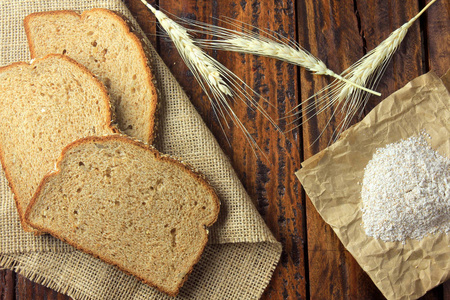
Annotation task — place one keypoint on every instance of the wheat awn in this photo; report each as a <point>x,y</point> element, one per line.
<point>222,84</point>
<point>366,72</point>
<point>246,41</point>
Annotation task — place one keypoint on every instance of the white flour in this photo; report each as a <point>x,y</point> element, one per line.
<point>406,191</point>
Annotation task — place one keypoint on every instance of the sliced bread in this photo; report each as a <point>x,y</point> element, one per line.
<point>102,41</point>
<point>44,107</point>
<point>125,203</point>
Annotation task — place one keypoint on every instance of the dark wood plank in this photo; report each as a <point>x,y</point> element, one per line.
<point>272,183</point>
<point>411,59</point>
<point>349,28</point>
<point>339,32</point>
<point>436,24</point>
<point>144,17</point>
<point>28,290</point>
<point>436,28</point>
<point>7,284</point>
<point>446,290</point>
<point>376,27</point>
<point>333,37</point>
<point>434,294</point>
<point>25,288</point>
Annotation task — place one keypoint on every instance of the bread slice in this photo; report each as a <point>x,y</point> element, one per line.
<point>101,40</point>
<point>44,107</point>
<point>125,203</point>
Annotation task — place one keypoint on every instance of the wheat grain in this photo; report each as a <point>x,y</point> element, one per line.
<point>223,85</point>
<point>365,72</point>
<point>375,59</point>
<point>252,43</point>
<point>192,54</point>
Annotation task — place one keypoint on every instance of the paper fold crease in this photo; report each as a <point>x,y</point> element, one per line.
<point>332,180</point>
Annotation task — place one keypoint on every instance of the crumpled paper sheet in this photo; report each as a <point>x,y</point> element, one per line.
<point>332,179</point>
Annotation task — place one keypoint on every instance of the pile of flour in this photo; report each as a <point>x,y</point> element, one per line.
<point>406,191</point>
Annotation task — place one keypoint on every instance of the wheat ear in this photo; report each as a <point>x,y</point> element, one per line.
<point>252,43</point>
<point>223,85</point>
<point>380,55</point>
<point>366,72</point>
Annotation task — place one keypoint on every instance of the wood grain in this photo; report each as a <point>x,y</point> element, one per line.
<point>350,29</point>
<point>406,63</point>
<point>314,264</point>
<point>263,179</point>
<point>335,39</point>
<point>7,285</point>
<point>270,183</point>
<point>435,28</point>
<point>26,289</point>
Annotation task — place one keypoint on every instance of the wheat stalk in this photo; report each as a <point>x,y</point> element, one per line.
<point>365,72</point>
<point>191,54</point>
<point>222,84</point>
<point>249,42</point>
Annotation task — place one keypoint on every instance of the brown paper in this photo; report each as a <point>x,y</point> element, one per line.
<point>332,181</point>
<point>242,253</point>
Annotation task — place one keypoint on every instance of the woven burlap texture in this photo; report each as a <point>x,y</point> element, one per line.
<point>241,254</point>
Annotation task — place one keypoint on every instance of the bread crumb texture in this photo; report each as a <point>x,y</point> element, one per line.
<point>101,40</point>
<point>121,201</point>
<point>46,106</point>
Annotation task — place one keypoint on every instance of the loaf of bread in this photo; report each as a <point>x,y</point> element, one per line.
<point>44,107</point>
<point>123,202</point>
<point>101,40</point>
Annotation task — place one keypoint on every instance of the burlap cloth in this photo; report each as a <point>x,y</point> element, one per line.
<point>242,253</point>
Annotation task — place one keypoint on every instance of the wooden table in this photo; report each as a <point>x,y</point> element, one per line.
<point>314,264</point>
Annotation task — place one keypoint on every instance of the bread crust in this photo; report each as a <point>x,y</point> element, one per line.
<point>146,63</point>
<point>185,167</point>
<point>108,121</point>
